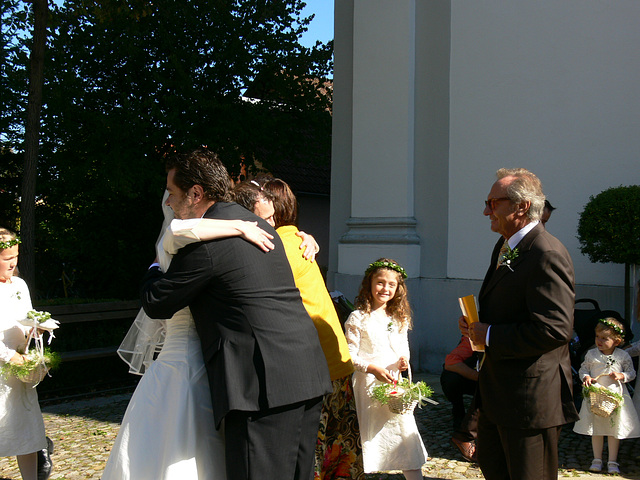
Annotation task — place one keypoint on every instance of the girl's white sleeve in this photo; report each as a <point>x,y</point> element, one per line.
<point>404,347</point>
<point>6,353</point>
<point>626,367</point>
<point>585,368</point>
<point>353,333</point>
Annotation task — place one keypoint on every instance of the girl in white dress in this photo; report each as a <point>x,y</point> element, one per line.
<point>168,431</point>
<point>616,368</point>
<point>21,424</point>
<point>379,347</point>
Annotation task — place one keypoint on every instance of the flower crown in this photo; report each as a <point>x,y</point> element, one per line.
<point>612,326</point>
<point>391,265</point>
<point>10,243</point>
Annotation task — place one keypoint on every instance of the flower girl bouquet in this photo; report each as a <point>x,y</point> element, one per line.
<point>38,360</point>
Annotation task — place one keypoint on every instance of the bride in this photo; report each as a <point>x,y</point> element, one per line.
<point>168,431</point>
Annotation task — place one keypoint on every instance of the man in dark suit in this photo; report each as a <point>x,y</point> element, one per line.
<point>526,319</point>
<point>266,368</point>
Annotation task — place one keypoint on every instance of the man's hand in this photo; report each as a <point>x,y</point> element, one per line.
<point>478,333</point>
<point>463,326</point>
<point>309,246</point>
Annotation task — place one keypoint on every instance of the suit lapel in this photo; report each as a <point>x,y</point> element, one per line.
<point>496,275</point>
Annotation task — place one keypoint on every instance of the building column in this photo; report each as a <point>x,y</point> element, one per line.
<point>382,221</point>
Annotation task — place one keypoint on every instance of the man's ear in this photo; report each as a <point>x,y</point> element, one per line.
<point>198,193</point>
<point>523,208</point>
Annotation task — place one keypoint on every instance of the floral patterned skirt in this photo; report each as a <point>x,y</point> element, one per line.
<point>339,448</point>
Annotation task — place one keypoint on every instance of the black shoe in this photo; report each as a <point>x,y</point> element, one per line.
<point>45,465</point>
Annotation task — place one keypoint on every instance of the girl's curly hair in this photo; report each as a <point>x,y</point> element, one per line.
<point>398,307</point>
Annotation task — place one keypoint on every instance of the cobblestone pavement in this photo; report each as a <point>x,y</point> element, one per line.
<point>83,432</point>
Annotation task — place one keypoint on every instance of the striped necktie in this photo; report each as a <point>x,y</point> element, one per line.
<point>503,251</point>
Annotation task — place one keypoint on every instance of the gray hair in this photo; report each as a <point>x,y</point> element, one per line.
<point>525,187</point>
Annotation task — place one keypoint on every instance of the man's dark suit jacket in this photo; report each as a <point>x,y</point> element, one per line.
<point>525,381</point>
<point>260,346</point>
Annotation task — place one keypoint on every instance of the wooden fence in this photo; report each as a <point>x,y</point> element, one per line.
<point>92,312</point>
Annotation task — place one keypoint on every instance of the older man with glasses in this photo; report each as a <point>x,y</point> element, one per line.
<point>526,317</point>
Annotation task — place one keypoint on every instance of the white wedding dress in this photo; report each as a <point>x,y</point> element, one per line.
<point>168,431</point>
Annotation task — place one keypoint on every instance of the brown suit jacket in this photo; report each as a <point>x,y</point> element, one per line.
<point>525,381</point>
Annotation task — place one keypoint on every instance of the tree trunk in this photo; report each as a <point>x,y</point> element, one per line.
<point>32,140</point>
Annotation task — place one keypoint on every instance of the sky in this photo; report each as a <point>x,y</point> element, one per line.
<point>321,27</point>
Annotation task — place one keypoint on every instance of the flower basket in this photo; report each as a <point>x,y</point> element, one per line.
<point>398,405</point>
<point>402,396</point>
<point>36,366</point>
<point>602,401</point>
<point>34,376</point>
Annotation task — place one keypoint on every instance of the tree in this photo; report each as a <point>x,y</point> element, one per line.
<point>609,231</point>
<point>13,61</point>
<point>128,81</point>
<point>32,139</point>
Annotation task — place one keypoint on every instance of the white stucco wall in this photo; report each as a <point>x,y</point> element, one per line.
<point>550,86</point>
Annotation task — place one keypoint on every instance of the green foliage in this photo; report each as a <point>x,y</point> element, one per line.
<point>33,361</point>
<point>126,82</point>
<point>409,391</point>
<point>609,226</point>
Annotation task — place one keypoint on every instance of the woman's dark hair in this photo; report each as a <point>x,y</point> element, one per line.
<point>247,194</point>
<point>284,202</point>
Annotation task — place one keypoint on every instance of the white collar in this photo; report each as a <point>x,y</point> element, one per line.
<point>514,240</point>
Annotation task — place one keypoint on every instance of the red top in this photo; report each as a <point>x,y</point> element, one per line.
<point>460,353</point>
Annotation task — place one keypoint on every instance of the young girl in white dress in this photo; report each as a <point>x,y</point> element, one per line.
<point>379,347</point>
<point>168,431</point>
<point>615,368</point>
<point>21,424</point>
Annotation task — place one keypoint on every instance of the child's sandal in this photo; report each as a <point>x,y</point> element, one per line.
<point>612,467</point>
<point>596,465</point>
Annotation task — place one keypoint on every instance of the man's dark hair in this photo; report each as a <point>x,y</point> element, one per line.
<point>201,167</point>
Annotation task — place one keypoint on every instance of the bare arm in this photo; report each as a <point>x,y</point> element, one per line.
<point>464,370</point>
<point>183,232</point>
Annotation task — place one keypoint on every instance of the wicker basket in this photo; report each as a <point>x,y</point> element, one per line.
<point>35,376</point>
<point>602,402</point>
<point>398,405</point>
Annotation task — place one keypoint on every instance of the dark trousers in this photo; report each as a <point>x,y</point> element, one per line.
<point>467,431</point>
<point>517,454</point>
<point>275,443</point>
<point>454,387</point>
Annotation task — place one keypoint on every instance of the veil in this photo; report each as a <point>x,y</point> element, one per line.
<point>145,337</point>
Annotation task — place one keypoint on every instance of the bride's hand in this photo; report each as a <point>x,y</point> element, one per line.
<point>251,232</point>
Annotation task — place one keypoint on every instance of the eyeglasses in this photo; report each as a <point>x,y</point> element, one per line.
<point>491,202</point>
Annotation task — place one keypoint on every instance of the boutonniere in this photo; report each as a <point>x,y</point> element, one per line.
<point>508,257</point>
